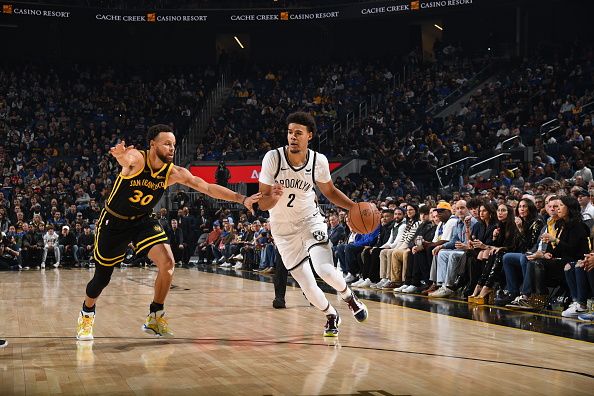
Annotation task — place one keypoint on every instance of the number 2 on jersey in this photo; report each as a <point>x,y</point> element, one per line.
<point>291,199</point>
<point>138,197</point>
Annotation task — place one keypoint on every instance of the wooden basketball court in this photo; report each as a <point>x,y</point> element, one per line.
<point>230,341</point>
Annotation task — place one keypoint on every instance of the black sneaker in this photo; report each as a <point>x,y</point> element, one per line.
<point>3,343</point>
<point>278,303</point>
<point>331,328</point>
<point>358,309</point>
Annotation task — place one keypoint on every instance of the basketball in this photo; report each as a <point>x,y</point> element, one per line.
<point>364,217</point>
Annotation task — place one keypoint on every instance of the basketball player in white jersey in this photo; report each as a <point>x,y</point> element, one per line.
<point>287,181</point>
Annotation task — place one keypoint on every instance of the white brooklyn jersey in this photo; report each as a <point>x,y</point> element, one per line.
<point>299,197</point>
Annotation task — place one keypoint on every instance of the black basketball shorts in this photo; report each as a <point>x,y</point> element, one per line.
<point>113,236</point>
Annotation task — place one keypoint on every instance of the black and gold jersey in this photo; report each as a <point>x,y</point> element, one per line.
<point>136,195</point>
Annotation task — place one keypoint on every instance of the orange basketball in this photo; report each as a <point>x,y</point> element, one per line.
<point>364,218</point>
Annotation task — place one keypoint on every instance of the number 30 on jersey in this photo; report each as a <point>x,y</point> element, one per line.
<point>140,197</point>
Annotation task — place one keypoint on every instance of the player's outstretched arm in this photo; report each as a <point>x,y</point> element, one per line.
<point>335,196</point>
<point>127,156</point>
<point>270,195</point>
<point>183,176</point>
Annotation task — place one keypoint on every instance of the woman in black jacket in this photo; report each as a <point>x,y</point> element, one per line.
<point>515,264</point>
<point>570,244</point>
<point>506,238</point>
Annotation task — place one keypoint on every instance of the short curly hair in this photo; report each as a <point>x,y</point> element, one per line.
<point>302,118</point>
<point>155,130</point>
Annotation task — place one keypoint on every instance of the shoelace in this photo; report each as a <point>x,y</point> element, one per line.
<point>87,324</point>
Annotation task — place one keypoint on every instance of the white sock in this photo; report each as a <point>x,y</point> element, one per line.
<point>330,310</point>
<point>345,295</point>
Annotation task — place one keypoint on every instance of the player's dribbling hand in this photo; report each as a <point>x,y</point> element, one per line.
<point>251,200</point>
<point>120,149</point>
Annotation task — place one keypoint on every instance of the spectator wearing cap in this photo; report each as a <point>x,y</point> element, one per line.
<point>450,253</point>
<point>443,234</point>
<point>68,246</point>
<point>583,197</point>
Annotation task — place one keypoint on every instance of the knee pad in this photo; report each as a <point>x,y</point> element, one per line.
<point>100,280</point>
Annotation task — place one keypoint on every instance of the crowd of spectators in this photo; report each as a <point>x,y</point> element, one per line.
<point>56,126</point>
<point>401,138</point>
<point>509,250</point>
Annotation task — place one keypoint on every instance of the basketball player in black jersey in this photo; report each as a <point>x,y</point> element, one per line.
<point>126,217</point>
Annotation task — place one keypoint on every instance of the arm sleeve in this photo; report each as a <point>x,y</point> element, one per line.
<point>322,171</point>
<point>269,166</point>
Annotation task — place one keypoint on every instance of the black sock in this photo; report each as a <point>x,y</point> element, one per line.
<point>87,309</point>
<point>155,307</point>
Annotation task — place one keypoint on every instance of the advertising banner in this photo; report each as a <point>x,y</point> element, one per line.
<point>224,16</point>
<point>239,173</point>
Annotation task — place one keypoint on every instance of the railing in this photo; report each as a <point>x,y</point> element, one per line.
<point>362,111</point>
<point>438,170</point>
<point>511,139</point>
<point>336,129</point>
<point>552,130</point>
<point>473,169</point>
<point>184,150</point>
<point>547,126</point>
<point>350,120</point>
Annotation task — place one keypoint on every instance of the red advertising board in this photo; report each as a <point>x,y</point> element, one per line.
<point>239,173</point>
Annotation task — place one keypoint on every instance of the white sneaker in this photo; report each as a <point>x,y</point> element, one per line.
<point>365,283</point>
<point>349,278</point>
<point>442,292</point>
<point>56,265</point>
<point>383,283</point>
<point>225,265</point>
<point>238,256</point>
<point>411,289</point>
<point>42,265</point>
<point>377,285</point>
<point>358,282</point>
<point>401,288</point>
<point>238,265</point>
<point>574,310</point>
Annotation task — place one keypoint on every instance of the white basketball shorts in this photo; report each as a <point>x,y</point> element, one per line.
<point>294,240</point>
